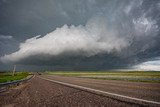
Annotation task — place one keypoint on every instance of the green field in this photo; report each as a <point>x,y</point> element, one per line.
<point>7,76</point>
<point>135,76</point>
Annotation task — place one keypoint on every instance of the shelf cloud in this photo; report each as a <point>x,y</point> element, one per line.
<point>87,33</point>
<point>88,40</point>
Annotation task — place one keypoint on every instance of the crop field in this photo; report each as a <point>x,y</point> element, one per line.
<point>135,76</point>
<point>7,76</point>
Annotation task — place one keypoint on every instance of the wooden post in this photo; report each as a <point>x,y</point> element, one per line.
<point>14,69</point>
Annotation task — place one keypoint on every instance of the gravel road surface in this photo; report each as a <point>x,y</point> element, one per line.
<point>42,93</point>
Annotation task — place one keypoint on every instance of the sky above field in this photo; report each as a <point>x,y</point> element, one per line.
<point>80,34</point>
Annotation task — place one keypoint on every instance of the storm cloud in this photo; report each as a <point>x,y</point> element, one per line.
<point>86,34</point>
<point>88,40</point>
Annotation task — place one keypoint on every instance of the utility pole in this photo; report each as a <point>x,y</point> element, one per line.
<point>14,69</point>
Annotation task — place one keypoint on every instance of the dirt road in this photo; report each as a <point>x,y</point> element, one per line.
<point>42,93</point>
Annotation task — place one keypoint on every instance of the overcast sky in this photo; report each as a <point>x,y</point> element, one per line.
<point>80,34</point>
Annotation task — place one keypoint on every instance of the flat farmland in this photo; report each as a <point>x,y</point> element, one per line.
<point>133,76</point>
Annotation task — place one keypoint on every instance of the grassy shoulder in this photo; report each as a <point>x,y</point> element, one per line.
<point>135,76</point>
<point>7,76</point>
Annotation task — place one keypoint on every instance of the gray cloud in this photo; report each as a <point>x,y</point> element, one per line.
<point>122,32</point>
<point>5,37</point>
<point>88,40</point>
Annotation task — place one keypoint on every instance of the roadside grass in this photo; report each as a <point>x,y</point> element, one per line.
<point>7,76</point>
<point>134,76</point>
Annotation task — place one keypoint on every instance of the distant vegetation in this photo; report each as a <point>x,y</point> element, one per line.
<point>7,76</point>
<point>135,76</point>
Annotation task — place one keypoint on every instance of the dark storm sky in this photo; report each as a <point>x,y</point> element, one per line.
<point>80,34</point>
